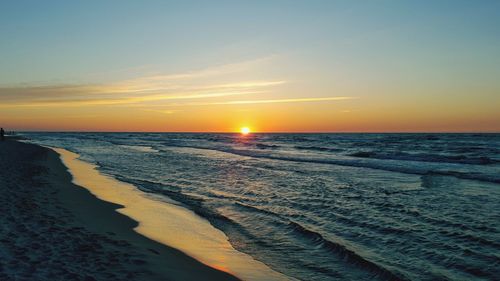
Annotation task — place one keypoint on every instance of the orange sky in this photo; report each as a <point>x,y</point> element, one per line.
<point>334,116</point>
<point>220,99</point>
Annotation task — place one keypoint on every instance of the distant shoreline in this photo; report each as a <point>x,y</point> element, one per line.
<point>258,133</point>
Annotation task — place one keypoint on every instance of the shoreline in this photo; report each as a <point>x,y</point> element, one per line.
<point>56,230</point>
<point>156,217</point>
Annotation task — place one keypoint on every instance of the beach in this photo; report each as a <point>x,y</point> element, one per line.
<point>53,229</point>
<point>160,206</point>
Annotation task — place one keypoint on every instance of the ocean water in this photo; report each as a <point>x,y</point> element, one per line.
<point>326,206</point>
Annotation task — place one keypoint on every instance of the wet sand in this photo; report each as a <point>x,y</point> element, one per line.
<point>53,229</point>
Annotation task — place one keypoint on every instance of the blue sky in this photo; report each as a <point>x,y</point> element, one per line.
<point>52,40</point>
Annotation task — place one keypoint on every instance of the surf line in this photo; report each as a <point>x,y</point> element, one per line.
<point>168,223</point>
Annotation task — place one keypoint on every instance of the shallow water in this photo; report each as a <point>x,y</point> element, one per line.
<point>326,206</point>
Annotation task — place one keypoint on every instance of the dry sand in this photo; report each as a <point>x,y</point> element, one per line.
<point>52,229</point>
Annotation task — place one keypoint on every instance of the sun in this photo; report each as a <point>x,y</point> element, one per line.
<point>245,130</point>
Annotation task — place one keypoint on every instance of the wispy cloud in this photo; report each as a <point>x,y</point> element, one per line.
<point>263,101</point>
<point>161,111</point>
<point>154,91</point>
<point>141,90</point>
<point>123,101</point>
<point>281,100</point>
<point>191,80</point>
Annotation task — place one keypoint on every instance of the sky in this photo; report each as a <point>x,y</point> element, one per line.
<point>270,65</point>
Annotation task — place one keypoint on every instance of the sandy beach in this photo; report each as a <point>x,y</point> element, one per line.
<point>55,230</point>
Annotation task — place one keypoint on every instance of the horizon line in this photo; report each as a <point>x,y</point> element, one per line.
<point>263,132</point>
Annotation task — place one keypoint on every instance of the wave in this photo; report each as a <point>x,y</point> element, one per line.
<point>406,169</point>
<point>225,223</point>
<point>194,203</point>
<point>347,255</point>
<point>256,210</point>
<point>267,146</point>
<point>472,238</point>
<point>391,167</point>
<point>140,148</point>
<point>459,159</point>
<point>317,148</point>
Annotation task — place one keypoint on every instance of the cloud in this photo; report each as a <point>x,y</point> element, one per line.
<point>153,90</point>
<point>264,101</point>
<point>162,111</point>
<point>203,84</point>
<point>280,100</point>
<point>124,101</point>
<point>87,95</point>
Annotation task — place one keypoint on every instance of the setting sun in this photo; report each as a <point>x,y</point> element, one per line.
<point>245,130</point>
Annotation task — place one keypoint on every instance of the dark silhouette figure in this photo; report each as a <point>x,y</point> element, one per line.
<point>2,134</point>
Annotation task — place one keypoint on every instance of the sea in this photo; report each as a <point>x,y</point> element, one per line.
<point>325,206</point>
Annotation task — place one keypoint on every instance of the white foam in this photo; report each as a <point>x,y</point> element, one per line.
<point>140,148</point>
